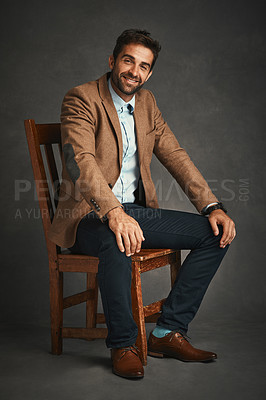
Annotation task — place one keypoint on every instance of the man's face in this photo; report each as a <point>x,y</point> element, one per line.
<point>131,69</point>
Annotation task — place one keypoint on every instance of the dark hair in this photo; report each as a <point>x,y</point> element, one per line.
<point>140,37</point>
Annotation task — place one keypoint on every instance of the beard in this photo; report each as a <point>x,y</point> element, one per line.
<point>123,86</point>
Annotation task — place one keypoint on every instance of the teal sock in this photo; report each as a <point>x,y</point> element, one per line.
<point>160,332</point>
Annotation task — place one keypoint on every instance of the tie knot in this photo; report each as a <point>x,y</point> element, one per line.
<point>130,108</point>
<point>126,108</point>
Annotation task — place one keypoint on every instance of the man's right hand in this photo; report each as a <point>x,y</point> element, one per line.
<point>128,233</point>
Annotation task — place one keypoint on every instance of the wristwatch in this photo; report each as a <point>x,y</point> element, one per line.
<point>218,206</point>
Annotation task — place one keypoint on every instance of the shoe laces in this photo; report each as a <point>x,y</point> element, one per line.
<point>181,335</point>
<point>131,348</point>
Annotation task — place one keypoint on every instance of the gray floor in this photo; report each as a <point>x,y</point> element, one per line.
<point>29,371</point>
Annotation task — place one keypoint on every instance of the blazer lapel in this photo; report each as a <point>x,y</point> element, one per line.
<point>111,111</point>
<point>112,114</point>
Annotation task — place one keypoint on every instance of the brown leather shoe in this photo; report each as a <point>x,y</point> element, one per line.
<point>126,362</point>
<point>176,345</point>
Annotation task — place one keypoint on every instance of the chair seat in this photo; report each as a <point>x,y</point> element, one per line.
<point>144,254</point>
<point>70,262</point>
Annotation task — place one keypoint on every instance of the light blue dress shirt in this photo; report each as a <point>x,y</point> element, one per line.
<point>129,176</point>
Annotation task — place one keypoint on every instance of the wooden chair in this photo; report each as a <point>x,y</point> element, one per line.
<point>44,163</point>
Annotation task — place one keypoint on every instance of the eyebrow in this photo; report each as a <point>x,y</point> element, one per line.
<point>133,58</point>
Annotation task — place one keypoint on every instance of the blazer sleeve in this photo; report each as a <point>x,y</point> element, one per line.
<point>78,144</point>
<point>178,163</point>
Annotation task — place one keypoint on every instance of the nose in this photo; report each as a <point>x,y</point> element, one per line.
<point>134,70</point>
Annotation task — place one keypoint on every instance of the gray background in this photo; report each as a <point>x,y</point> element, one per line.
<point>209,82</point>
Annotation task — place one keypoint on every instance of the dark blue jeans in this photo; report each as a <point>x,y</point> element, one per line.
<point>162,229</point>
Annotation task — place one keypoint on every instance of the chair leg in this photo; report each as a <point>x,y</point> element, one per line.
<point>92,302</point>
<point>56,307</point>
<point>175,267</point>
<point>138,311</point>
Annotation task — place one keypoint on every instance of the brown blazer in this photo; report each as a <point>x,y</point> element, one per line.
<point>92,148</point>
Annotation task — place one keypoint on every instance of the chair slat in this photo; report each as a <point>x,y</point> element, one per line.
<point>84,333</point>
<point>60,149</point>
<point>50,159</point>
<point>44,192</point>
<point>48,133</point>
<point>153,308</point>
<point>51,164</point>
<point>78,298</point>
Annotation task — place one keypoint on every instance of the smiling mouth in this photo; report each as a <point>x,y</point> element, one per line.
<point>131,81</point>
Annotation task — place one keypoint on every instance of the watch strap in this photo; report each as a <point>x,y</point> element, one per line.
<point>218,206</point>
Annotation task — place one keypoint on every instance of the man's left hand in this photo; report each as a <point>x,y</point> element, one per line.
<point>218,217</point>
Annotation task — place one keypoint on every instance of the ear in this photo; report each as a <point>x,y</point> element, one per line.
<point>111,62</point>
<point>149,75</point>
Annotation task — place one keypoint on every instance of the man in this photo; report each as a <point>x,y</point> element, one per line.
<point>108,206</point>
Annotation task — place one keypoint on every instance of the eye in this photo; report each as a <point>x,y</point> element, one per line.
<point>144,68</point>
<point>127,60</point>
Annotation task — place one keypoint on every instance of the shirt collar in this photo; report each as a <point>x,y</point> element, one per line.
<point>118,101</point>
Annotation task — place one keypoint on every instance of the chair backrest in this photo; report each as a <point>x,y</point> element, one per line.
<point>44,141</point>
